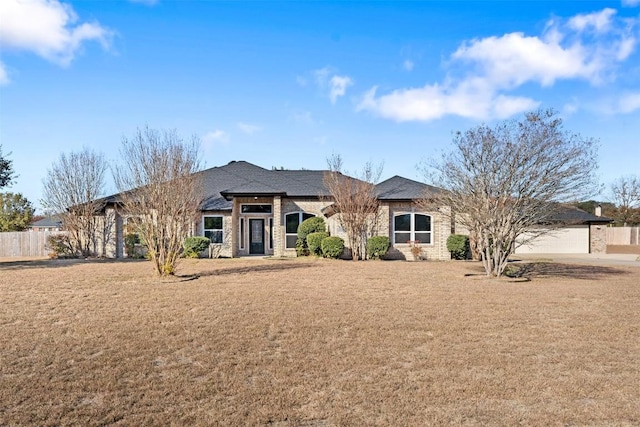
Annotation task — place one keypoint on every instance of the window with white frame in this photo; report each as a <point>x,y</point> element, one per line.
<point>412,227</point>
<point>213,228</point>
<point>292,221</point>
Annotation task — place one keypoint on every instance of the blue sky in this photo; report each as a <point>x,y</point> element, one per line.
<point>289,83</point>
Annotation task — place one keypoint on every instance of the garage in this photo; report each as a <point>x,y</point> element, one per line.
<point>572,239</point>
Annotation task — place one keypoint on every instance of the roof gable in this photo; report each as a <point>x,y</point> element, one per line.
<point>400,188</point>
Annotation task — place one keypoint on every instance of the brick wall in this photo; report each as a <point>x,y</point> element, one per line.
<point>597,238</point>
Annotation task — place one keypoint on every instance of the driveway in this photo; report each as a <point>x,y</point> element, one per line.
<point>631,260</point>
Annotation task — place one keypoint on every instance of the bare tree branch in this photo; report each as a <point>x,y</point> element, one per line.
<point>507,180</point>
<point>160,187</point>
<point>625,192</point>
<point>72,189</point>
<point>355,201</point>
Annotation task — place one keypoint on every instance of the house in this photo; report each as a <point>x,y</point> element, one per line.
<point>248,210</point>
<point>580,233</point>
<point>53,223</point>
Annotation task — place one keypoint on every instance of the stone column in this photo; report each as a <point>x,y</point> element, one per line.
<point>278,230</point>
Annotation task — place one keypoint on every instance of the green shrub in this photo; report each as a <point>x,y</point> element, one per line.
<point>458,245</point>
<point>332,247</point>
<point>314,242</point>
<point>311,225</point>
<point>306,227</point>
<point>194,245</point>
<point>60,246</point>
<point>130,241</point>
<point>378,246</point>
<point>301,247</point>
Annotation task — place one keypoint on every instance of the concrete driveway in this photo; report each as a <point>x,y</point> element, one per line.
<point>631,260</point>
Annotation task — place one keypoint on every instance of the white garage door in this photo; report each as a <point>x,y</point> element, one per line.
<point>566,240</point>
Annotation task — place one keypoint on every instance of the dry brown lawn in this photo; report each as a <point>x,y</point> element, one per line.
<point>317,343</point>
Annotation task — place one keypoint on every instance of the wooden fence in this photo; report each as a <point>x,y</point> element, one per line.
<point>623,235</point>
<point>25,243</point>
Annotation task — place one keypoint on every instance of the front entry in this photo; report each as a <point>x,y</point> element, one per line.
<point>256,236</point>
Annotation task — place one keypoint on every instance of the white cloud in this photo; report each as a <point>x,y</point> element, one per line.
<point>513,59</point>
<point>248,128</point>
<point>472,99</point>
<point>322,75</point>
<point>599,21</point>
<point>630,3</point>
<point>327,79</point>
<point>303,117</point>
<point>484,71</point>
<point>339,85</point>
<point>628,103</point>
<point>4,76</point>
<point>408,65</point>
<point>216,137</point>
<point>47,28</point>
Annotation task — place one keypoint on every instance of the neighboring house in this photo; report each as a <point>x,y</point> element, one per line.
<point>580,233</point>
<point>248,210</point>
<point>52,223</point>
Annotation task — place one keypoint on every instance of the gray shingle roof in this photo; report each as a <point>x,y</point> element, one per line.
<point>399,188</point>
<point>240,178</point>
<point>243,178</point>
<point>53,221</point>
<point>572,214</point>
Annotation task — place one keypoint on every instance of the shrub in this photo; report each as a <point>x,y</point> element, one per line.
<point>194,245</point>
<point>458,245</point>
<point>306,227</point>
<point>60,246</point>
<point>130,241</point>
<point>301,247</point>
<point>378,246</point>
<point>314,242</point>
<point>332,247</point>
<point>311,225</point>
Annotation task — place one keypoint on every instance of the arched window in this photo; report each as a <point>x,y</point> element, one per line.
<point>292,221</point>
<point>412,227</point>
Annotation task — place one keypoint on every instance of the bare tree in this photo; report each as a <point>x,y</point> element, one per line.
<point>355,202</point>
<point>72,189</point>
<point>625,192</point>
<point>505,182</point>
<point>160,187</point>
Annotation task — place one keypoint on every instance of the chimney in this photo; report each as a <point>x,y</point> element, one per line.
<point>599,210</point>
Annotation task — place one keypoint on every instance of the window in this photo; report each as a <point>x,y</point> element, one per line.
<point>241,236</point>
<point>259,209</point>
<point>412,227</point>
<point>270,233</point>
<point>213,228</point>
<point>292,221</point>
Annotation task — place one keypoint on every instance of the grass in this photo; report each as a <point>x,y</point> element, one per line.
<point>317,343</point>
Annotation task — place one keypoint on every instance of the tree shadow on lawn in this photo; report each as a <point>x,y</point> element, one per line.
<point>251,269</point>
<point>532,270</point>
<point>59,263</point>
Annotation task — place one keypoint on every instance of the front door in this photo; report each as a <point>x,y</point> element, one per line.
<point>256,236</point>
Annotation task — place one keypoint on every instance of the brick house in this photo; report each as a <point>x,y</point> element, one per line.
<point>247,210</point>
